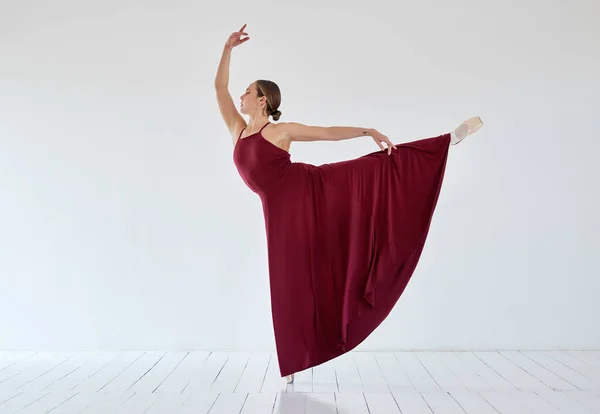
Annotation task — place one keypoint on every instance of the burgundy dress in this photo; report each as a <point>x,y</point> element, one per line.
<point>343,239</point>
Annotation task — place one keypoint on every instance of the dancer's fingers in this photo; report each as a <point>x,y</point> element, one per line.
<point>378,142</point>
<point>389,145</point>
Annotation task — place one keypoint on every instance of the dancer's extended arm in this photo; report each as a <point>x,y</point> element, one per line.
<point>295,131</point>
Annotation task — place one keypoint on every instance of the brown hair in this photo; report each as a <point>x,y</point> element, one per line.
<point>271,91</point>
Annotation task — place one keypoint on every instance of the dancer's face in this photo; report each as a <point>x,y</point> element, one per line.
<point>251,103</point>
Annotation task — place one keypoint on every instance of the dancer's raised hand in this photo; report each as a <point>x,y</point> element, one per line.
<point>378,137</point>
<point>235,39</point>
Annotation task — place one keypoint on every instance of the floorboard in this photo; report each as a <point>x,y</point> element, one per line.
<point>486,382</point>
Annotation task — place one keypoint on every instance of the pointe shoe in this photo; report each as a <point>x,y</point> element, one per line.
<point>465,129</point>
<point>290,379</point>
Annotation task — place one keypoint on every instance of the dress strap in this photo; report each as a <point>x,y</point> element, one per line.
<point>263,127</point>
<point>241,132</point>
<point>268,122</point>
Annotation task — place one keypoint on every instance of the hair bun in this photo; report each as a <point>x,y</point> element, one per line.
<point>276,114</point>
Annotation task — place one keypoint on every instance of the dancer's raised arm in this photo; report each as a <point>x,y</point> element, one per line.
<point>233,119</point>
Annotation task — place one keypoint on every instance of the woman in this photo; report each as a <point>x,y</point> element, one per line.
<point>343,238</point>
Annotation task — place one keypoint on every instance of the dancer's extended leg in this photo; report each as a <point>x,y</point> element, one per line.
<point>465,129</point>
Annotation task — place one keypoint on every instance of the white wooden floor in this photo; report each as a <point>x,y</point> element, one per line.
<point>358,382</point>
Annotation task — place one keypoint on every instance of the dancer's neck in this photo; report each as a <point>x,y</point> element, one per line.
<point>255,124</point>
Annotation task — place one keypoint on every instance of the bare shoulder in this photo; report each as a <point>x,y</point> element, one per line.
<point>276,134</point>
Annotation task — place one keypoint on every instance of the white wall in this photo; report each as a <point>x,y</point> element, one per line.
<point>122,218</point>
